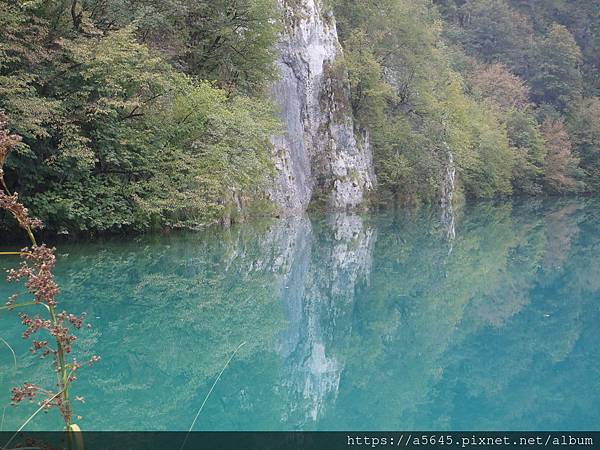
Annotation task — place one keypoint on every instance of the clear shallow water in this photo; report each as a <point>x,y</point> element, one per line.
<point>387,321</point>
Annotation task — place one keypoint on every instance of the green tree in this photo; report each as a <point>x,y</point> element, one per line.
<point>528,146</point>
<point>492,31</point>
<point>558,78</point>
<point>415,105</point>
<point>115,137</point>
<point>582,18</point>
<point>510,94</point>
<point>584,128</point>
<point>229,41</point>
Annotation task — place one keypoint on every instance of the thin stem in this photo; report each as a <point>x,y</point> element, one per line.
<point>31,236</point>
<point>17,305</point>
<point>62,374</point>
<point>210,392</point>
<point>25,448</point>
<point>14,377</point>
<point>13,353</point>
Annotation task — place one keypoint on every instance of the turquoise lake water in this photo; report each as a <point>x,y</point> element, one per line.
<point>389,321</point>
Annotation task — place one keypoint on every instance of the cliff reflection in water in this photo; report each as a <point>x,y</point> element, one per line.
<point>351,322</point>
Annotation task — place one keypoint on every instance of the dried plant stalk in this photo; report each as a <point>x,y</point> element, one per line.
<point>37,262</point>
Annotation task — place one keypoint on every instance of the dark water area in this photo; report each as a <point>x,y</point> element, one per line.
<point>393,320</point>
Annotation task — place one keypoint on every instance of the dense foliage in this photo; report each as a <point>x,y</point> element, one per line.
<point>507,87</point>
<point>553,47</point>
<point>119,128</point>
<point>148,114</point>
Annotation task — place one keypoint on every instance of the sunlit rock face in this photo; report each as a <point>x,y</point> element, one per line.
<point>318,156</point>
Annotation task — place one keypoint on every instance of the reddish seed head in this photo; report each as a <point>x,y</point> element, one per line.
<point>11,204</point>
<point>36,269</point>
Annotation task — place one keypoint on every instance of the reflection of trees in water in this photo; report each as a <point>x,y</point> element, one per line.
<point>394,342</point>
<point>446,307</point>
<point>168,312</point>
<point>344,330</point>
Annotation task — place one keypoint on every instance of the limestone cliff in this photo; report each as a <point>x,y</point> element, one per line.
<point>319,156</point>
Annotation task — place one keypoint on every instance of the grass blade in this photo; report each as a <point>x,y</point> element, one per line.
<point>210,392</point>
<point>29,420</point>
<point>13,353</point>
<point>17,305</point>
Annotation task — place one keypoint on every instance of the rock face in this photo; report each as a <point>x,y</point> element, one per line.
<point>447,195</point>
<point>318,157</point>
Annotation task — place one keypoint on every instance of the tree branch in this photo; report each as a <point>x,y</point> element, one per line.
<point>75,16</point>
